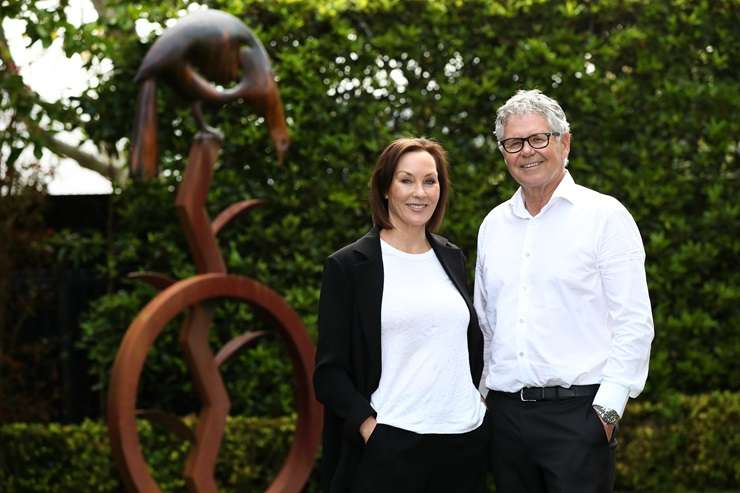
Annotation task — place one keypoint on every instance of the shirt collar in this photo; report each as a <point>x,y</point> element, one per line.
<point>566,189</point>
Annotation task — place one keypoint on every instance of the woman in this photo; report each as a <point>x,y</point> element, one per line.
<point>396,300</point>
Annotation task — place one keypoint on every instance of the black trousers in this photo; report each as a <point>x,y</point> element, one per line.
<point>400,461</point>
<point>556,446</point>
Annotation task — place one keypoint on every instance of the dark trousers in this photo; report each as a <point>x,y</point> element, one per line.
<point>556,446</point>
<point>400,461</point>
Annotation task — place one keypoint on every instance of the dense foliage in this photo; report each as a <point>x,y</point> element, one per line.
<point>679,444</point>
<point>63,458</point>
<point>650,89</point>
<point>24,292</point>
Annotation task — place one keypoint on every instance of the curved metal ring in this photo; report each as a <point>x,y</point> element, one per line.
<point>142,333</point>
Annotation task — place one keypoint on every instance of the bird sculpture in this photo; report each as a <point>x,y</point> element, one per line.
<point>203,51</point>
<point>198,55</point>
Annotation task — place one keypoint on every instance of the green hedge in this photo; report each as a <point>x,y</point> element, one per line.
<point>650,89</point>
<point>54,458</point>
<point>678,444</point>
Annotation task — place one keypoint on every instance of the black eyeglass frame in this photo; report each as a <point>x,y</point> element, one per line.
<point>521,141</point>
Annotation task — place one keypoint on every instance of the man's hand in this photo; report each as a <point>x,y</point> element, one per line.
<point>367,427</point>
<point>608,418</point>
<point>608,429</point>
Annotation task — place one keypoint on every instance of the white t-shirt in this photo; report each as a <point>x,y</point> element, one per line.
<point>425,384</point>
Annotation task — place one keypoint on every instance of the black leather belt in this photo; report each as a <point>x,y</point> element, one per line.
<point>534,394</point>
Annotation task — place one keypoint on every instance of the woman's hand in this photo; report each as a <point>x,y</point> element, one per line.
<point>367,427</point>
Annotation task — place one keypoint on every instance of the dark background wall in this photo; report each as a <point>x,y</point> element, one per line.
<point>45,374</point>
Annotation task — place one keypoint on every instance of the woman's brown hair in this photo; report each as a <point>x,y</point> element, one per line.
<point>385,168</point>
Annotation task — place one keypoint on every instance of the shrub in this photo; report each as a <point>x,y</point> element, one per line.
<point>649,88</point>
<point>53,458</point>
<point>678,443</point>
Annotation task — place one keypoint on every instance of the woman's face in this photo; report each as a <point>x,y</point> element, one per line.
<point>414,191</point>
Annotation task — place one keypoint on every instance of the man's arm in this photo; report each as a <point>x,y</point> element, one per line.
<point>621,263</point>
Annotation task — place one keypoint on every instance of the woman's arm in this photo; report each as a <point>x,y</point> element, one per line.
<point>333,380</point>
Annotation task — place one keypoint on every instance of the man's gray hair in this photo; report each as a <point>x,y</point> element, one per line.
<point>532,101</point>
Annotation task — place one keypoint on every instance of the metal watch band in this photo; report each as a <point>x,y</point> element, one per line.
<point>608,416</point>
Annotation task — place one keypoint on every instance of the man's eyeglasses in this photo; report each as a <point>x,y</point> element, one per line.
<point>535,141</point>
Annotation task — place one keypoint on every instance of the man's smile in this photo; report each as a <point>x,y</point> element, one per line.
<point>530,165</point>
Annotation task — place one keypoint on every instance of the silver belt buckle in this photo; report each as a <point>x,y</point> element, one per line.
<point>521,396</point>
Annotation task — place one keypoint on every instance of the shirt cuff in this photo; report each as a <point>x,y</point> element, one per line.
<point>612,396</point>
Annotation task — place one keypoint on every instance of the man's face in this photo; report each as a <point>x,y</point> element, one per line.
<point>535,168</point>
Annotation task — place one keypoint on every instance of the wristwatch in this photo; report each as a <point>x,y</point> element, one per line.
<point>608,416</point>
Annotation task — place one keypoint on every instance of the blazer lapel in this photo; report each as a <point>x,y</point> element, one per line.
<point>450,260</point>
<point>369,276</point>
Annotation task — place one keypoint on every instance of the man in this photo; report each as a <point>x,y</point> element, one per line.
<point>561,294</point>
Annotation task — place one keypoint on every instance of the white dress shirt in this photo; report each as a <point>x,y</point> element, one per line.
<point>562,297</point>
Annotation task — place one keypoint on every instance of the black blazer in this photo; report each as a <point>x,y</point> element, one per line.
<point>348,353</point>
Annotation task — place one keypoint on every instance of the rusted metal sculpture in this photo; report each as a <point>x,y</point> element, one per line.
<point>204,46</point>
<point>210,42</point>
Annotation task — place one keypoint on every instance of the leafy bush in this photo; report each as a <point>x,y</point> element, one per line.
<point>25,292</point>
<point>650,89</point>
<point>679,443</point>
<point>53,458</point>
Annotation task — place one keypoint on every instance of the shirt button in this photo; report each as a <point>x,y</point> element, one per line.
<point>521,354</point>
<point>521,320</point>
<point>526,254</point>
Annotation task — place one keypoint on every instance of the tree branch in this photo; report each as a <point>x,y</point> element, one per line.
<point>5,55</point>
<point>108,168</point>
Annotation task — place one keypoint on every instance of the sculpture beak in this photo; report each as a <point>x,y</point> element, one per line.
<point>273,112</point>
<point>260,90</point>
